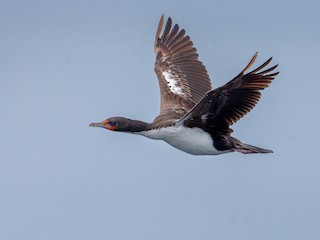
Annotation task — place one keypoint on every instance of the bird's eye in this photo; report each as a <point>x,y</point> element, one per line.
<point>112,123</point>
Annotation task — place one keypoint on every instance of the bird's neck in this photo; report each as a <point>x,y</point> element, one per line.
<point>138,126</point>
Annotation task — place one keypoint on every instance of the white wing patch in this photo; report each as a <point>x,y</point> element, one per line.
<point>172,83</point>
<point>204,117</point>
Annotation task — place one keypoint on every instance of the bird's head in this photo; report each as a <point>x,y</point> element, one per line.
<point>114,124</point>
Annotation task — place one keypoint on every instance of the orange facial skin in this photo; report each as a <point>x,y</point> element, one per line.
<point>111,128</point>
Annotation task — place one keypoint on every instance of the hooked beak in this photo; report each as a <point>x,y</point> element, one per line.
<point>104,124</point>
<point>96,125</point>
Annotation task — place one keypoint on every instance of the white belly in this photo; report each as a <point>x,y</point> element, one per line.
<point>191,140</point>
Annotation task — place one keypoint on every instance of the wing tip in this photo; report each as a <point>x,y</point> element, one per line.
<point>160,26</point>
<point>253,59</point>
<point>256,71</point>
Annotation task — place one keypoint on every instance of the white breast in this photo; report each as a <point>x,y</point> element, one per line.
<point>191,140</point>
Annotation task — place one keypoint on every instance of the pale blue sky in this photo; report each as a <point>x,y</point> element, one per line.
<point>64,64</point>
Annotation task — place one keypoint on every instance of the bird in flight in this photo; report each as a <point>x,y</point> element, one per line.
<point>194,117</point>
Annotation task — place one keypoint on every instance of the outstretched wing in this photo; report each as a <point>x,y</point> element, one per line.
<point>223,106</point>
<point>183,80</point>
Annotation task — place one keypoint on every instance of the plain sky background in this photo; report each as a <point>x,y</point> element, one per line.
<point>64,64</point>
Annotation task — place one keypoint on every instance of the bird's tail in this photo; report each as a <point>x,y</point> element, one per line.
<point>246,149</point>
